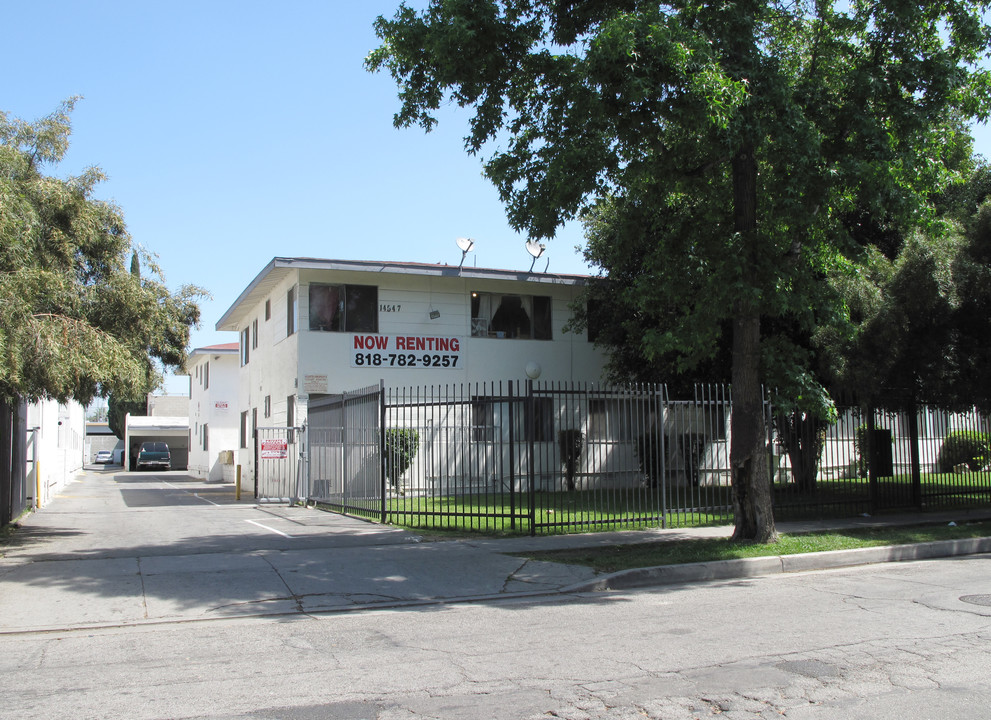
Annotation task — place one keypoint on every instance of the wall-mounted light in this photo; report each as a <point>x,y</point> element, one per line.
<point>533,370</point>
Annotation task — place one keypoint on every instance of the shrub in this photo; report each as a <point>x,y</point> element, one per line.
<point>401,445</point>
<point>860,450</point>
<point>572,444</point>
<point>964,447</point>
<point>649,451</point>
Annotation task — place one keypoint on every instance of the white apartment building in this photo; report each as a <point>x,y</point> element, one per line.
<point>213,414</point>
<point>310,328</point>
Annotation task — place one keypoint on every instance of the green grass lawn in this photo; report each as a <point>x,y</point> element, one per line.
<point>673,552</point>
<point>560,511</point>
<point>499,513</point>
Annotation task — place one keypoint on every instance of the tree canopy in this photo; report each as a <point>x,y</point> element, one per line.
<point>733,140</point>
<point>74,322</point>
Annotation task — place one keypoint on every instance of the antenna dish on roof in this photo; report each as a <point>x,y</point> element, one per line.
<point>466,245</point>
<point>536,249</point>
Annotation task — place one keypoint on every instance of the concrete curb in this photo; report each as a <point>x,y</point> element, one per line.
<point>773,565</point>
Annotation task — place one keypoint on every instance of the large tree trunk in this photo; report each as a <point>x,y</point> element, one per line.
<point>752,506</point>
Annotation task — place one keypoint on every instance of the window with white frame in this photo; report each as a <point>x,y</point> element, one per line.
<point>523,317</point>
<point>245,346</point>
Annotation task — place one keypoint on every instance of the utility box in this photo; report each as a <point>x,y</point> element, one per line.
<point>881,460</point>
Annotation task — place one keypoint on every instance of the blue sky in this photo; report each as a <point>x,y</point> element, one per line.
<point>234,132</point>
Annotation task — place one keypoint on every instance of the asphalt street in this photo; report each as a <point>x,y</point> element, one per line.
<point>154,596</point>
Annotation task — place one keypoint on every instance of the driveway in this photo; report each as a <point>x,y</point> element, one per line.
<point>118,548</point>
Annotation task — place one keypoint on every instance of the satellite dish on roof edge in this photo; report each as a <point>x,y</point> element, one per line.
<point>536,249</point>
<point>466,245</point>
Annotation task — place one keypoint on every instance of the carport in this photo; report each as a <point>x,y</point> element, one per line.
<point>171,430</point>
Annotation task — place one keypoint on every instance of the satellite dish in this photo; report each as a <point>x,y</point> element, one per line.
<point>466,244</point>
<point>536,249</point>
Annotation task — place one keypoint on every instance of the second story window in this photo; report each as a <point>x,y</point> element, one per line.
<point>245,346</point>
<point>525,317</point>
<point>292,311</point>
<point>344,308</point>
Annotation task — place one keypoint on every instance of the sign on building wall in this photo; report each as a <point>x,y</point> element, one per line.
<point>406,351</point>
<point>274,449</point>
<point>314,383</point>
<point>221,405</point>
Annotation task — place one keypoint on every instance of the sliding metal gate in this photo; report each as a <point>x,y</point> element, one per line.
<point>345,454</point>
<point>278,464</point>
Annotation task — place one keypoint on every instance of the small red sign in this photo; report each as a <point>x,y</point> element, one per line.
<point>274,449</point>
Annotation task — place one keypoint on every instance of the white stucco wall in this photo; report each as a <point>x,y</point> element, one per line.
<point>213,404</point>
<point>271,372</point>
<point>56,448</point>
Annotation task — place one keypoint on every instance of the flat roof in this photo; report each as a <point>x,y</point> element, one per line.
<point>156,422</point>
<point>279,267</point>
<point>222,349</point>
<point>98,428</point>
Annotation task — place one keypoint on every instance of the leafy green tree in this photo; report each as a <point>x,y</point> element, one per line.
<point>972,324</point>
<point>920,318</point>
<point>74,322</point>
<point>904,351</point>
<point>755,126</point>
<point>118,409</point>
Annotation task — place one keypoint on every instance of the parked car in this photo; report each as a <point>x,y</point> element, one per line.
<point>154,456</point>
<point>104,457</point>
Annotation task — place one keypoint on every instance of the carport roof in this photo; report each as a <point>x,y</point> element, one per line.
<point>138,424</point>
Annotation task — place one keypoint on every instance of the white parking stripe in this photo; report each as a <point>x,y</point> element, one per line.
<point>195,495</point>
<point>266,527</point>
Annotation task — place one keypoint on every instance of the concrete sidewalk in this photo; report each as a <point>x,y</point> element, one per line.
<point>120,549</point>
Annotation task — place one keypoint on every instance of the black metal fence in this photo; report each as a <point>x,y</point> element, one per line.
<point>555,457</point>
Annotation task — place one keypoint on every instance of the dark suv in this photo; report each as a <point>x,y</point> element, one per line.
<point>154,456</point>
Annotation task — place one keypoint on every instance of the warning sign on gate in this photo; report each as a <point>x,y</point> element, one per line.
<point>274,449</point>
